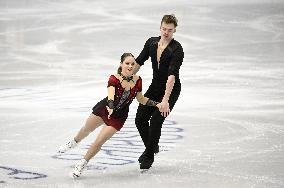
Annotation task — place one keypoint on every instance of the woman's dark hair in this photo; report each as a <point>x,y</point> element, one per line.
<point>122,58</point>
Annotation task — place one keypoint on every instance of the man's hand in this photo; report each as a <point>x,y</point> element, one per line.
<point>165,108</point>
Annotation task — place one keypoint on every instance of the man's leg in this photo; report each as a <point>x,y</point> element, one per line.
<point>154,133</point>
<point>142,118</point>
<point>155,129</point>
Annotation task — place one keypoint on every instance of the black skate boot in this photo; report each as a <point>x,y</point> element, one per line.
<point>146,163</point>
<point>156,149</point>
<point>142,157</point>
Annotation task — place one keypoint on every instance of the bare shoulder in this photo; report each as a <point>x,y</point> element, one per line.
<point>116,75</point>
<point>136,77</point>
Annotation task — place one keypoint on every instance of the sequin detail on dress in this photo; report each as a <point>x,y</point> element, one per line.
<point>123,98</point>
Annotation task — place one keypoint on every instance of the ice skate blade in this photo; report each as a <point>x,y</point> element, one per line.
<point>73,176</point>
<point>142,171</point>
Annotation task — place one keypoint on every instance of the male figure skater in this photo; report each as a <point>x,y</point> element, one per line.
<point>166,57</point>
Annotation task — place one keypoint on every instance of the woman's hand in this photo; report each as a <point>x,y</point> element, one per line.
<point>110,111</point>
<point>159,105</point>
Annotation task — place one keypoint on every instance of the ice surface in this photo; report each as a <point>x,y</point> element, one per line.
<point>226,129</point>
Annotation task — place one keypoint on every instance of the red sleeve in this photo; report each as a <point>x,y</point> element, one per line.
<point>112,81</point>
<point>139,84</point>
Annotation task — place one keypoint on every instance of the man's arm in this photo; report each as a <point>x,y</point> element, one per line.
<point>143,56</point>
<point>174,67</point>
<point>165,107</point>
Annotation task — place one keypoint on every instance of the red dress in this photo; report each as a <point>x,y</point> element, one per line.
<point>122,100</point>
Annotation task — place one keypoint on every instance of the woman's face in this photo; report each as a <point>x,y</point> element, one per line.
<point>127,66</point>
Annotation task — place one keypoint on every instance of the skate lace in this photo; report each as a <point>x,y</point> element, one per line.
<point>69,144</point>
<point>80,166</point>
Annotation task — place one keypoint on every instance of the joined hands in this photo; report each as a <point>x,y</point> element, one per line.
<point>164,108</point>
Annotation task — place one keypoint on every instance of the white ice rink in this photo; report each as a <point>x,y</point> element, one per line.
<point>226,130</point>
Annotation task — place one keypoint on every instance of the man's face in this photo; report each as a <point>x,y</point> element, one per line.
<point>167,30</point>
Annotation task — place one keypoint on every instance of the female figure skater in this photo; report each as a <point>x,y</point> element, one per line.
<point>112,111</point>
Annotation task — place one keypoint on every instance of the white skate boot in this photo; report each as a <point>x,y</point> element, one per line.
<point>69,145</point>
<point>77,171</point>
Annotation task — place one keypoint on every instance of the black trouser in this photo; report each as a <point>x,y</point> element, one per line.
<point>150,133</point>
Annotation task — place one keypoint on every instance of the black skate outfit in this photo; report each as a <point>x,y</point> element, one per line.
<point>170,61</point>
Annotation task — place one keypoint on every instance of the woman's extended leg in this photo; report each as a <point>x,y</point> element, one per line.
<point>106,133</point>
<point>91,124</point>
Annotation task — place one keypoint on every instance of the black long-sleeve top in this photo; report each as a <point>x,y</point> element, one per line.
<point>170,61</point>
